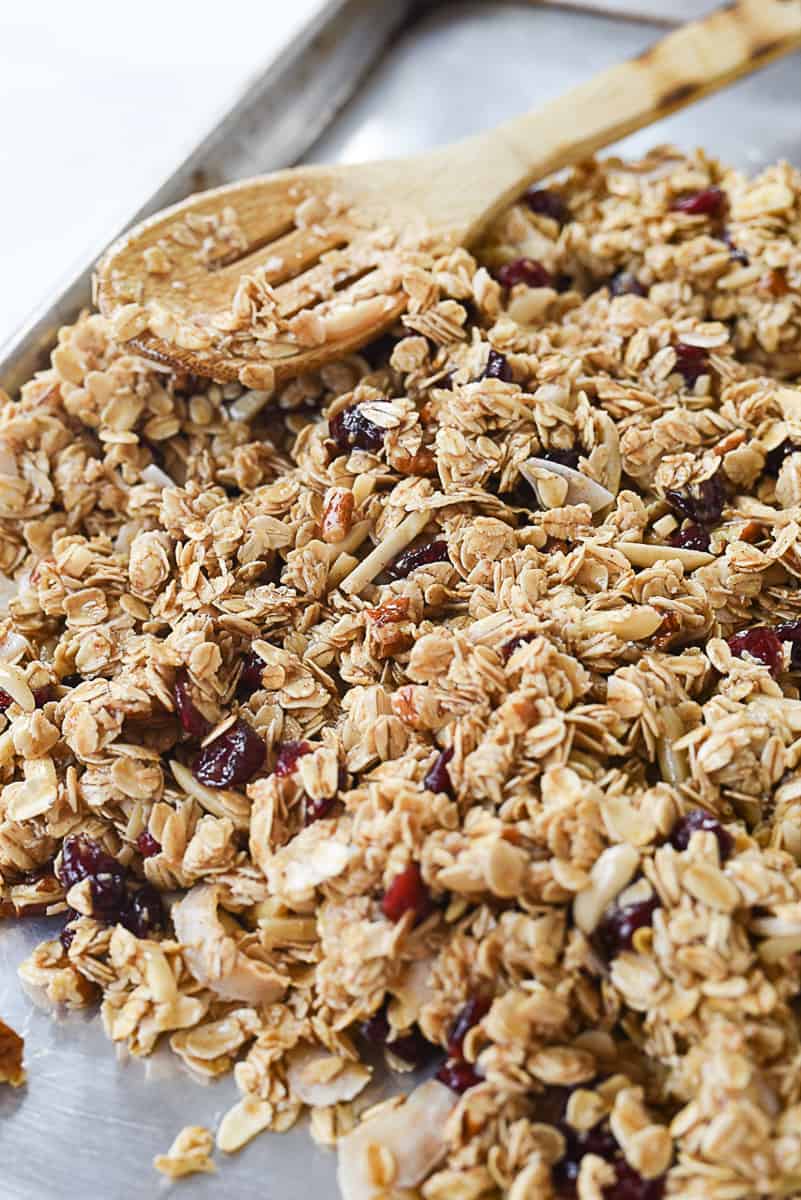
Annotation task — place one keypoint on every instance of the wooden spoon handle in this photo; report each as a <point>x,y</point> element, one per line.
<point>691,62</point>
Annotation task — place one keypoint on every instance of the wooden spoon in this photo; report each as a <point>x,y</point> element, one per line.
<point>260,280</point>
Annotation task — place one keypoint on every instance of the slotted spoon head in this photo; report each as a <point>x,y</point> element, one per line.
<point>262,280</point>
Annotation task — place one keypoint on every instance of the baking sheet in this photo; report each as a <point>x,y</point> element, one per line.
<point>89,1123</point>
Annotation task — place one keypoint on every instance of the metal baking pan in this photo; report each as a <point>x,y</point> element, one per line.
<point>364,80</point>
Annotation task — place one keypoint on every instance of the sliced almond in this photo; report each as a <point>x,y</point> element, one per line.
<point>13,681</point>
<point>640,554</point>
<point>610,439</point>
<point>382,555</point>
<point>631,623</point>
<point>706,339</point>
<point>320,1078</point>
<point>219,801</point>
<point>580,488</point>
<point>34,796</point>
<point>611,872</point>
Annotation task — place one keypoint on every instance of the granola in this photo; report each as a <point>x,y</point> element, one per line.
<point>11,1050</point>
<point>445,702</point>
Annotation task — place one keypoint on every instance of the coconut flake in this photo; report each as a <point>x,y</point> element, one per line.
<point>413,1132</point>
<point>214,957</point>
<point>580,488</point>
<point>12,646</point>
<point>308,860</point>
<point>413,989</point>
<point>153,474</point>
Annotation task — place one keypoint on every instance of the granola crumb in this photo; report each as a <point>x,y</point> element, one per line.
<point>12,1047</point>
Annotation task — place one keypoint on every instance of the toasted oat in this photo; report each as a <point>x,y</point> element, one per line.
<point>412,749</point>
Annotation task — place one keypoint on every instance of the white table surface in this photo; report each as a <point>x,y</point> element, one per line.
<point>98,101</point>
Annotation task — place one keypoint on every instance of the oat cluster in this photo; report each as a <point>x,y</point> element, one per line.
<point>442,707</point>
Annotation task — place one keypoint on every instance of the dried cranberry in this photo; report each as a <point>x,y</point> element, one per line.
<point>735,253</point>
<point>698,819</point>
<point>407,893</point>
<point>318,808</point>
<point>143,911</point>
<point>40,697</point>
<point>508,648</point>
<point>762,643</point>
<point>546,203</point>
<point>458,1075</point>
<point>469,1015</point>
<point>618,925</point>
<point>598,1141</point>
<point>702,503</point>
<point>497,367</point>
<point>790,632</point>
<point>378,352</point>
<point>231,759</point>
<point>625,283</point>
<point>691,537</point>
<point>419,556</point>
<point>350,428</point>
<point>775,457</point>
<point>288,755</point>
<point>192,720</point>
<point>250,675</point>
<point>67,935</point>
<point>437,777</point>
<point>630,1185</point>
<point>376,1028</point>
<point>566,458</point>
<point>412,1048</point>
<point>82,858</point>
<point>524,270</point>
<point>691,362</point>
<point>147,845</point>
<point>709,202</point>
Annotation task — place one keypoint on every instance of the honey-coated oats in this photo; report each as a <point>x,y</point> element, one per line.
<point>445,701</point>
